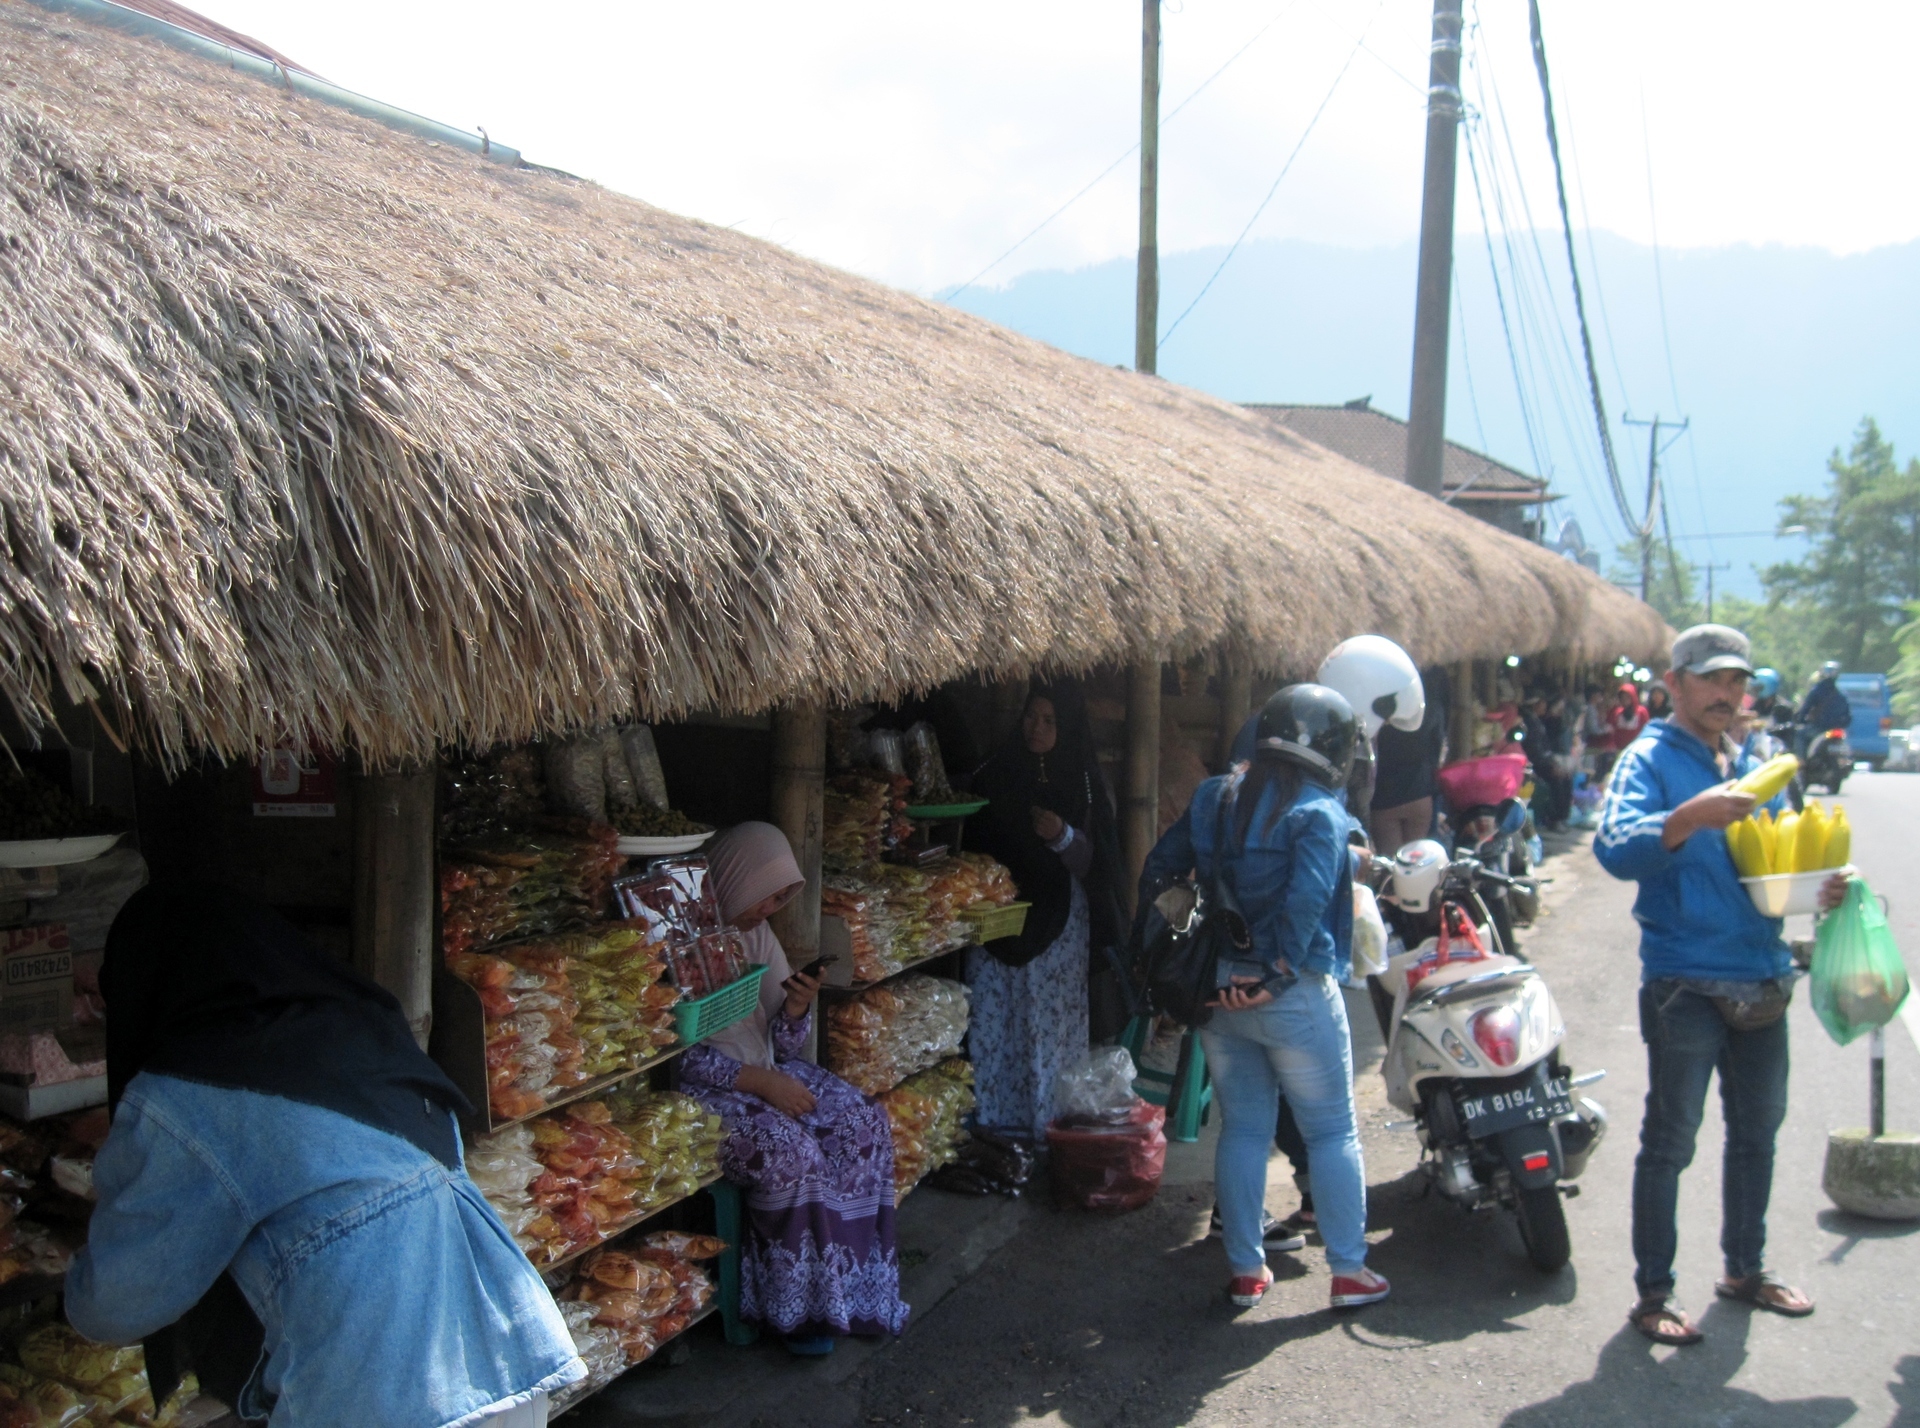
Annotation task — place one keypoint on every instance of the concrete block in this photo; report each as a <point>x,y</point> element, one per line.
<point>1878,1178</point>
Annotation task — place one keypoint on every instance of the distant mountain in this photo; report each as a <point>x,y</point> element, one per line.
<point>1777,354</point>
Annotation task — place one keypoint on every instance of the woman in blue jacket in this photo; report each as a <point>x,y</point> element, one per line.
<point>1276,833</point>
<point>282,1206</point>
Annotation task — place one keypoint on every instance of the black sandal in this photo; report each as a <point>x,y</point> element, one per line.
<point>1658,1312</point>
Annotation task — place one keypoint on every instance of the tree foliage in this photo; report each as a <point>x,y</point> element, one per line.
<point>1862,566</point>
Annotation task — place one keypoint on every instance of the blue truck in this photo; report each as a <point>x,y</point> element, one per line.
<point>1872,700</point>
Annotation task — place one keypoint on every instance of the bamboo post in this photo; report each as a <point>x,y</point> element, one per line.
<point>1236,700</point>
<point>1460,717</point>
<point>797,802</point>
<point>798,806</point>
<point>393,889</point>
<point>1140,816</point>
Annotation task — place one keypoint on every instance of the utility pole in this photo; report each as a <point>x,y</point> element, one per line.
<point>1710,567</point>
<point>1427,407</point>
<point>1146,303</point>
<point>1654,450</point>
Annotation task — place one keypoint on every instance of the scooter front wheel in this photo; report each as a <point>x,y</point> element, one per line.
<point>1543,1227</point>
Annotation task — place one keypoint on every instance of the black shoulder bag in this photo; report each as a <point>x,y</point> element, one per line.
<point>1192,927</point>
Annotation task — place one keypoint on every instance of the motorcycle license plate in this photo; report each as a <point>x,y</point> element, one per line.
<point>1534,1100</point>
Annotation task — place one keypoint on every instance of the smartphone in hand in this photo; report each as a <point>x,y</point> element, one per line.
<point>817,965</point>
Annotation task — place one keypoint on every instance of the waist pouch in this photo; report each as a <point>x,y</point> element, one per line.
<point>1755,1014</point>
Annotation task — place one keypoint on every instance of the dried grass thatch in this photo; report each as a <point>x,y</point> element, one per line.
<point>316,428</point>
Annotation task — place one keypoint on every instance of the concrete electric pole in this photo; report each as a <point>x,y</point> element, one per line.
<point>1427,407</point>
<point>1146,306</point>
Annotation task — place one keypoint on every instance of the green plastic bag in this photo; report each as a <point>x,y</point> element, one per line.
<point>1859,980</point>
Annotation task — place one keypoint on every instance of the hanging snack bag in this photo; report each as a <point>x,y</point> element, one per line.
<point>698,910</point>
<point>925,766</point>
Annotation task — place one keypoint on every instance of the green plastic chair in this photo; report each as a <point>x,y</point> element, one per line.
<point>727,1224</point>
<point>1187,1093</point>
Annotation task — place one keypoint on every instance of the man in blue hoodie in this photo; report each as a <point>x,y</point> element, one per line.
<point>1715,980</point>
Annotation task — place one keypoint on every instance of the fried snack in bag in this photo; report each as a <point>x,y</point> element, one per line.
<point>682,1245</point>
<point>56,1351</point>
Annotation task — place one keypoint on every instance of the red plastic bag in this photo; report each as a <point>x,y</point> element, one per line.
<point>1110,1167</point>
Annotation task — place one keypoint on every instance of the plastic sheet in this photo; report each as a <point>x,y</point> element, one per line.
<point>1109,1167</point>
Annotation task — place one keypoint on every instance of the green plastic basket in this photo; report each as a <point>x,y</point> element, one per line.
<point>703,1016</point>
<point>991,923</point>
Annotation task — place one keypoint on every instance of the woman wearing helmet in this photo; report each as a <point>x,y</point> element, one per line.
<point>1276,834</point>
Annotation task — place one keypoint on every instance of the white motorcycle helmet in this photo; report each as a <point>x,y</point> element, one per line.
<point>1417,871</point>
<point>1379,680</point>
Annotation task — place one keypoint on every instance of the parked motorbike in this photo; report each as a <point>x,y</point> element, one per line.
<point>1474,1042</point>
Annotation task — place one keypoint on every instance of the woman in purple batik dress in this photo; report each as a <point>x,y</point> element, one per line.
<point>815,1155</point>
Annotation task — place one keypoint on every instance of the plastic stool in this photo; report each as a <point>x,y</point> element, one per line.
<point>728,1225</point>
<point>1187,1093</point>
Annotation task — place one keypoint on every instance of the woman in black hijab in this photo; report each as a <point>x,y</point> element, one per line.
<point>1050,820</point>
<point>282,1207</point>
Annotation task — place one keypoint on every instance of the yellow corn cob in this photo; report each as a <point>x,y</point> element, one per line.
<point>1767,780</point>
<point>1749,854</point>
<point>1810,839</point>
<point>1785,839</point>
<point>1763,820</point>
<point>1839,841</point>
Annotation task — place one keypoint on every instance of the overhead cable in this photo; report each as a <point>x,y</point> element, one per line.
<point>1132,149</point>
<point>1643,527</point>
<point>1306,134</point>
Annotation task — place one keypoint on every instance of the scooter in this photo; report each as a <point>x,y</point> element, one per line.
<point>1829,760</point>
<point>1474,1044</point>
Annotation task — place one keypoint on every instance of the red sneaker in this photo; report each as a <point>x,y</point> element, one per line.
<point>1350,1291</point>
<point>1246,1290</point>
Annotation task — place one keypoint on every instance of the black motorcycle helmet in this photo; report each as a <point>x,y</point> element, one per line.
<point>1312,726</point>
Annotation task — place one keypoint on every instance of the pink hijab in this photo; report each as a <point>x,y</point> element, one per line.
<point>749,863</point>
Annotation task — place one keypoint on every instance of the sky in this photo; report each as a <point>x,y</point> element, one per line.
<point>924,144</point>
<point>915,143</point>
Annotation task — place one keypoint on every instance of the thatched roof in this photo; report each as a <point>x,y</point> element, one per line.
<point>312,426</point>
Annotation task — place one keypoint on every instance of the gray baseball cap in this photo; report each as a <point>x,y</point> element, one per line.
<point>1703,649</point>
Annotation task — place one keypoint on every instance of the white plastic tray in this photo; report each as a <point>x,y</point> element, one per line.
<point>55,852</point>
<point>1789,894</point>
<point>662,847</point>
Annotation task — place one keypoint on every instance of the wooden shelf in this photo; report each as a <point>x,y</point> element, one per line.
<point>592,1088</point>
<point>852,988</point>
<point>574,1397</point>
<point>633,1221</point>
<point>459,1045</point>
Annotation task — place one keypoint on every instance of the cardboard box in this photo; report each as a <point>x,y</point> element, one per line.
<point>36,978</point>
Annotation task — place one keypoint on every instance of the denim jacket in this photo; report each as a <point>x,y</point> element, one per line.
<point>390,1292</point>
<point>1696,921</point>
<point>1294,877</point>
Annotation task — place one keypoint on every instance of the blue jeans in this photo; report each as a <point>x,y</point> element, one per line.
<point>1297,1042</point>
<point>1687,1041</point>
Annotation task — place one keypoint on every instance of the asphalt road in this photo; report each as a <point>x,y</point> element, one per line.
<point>1099,1323</point>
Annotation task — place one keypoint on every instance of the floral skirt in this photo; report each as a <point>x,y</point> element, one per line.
<point>819,1256</point>
<point>1027,1024</point>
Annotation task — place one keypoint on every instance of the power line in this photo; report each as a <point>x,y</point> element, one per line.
<point>1500,301</point>
<point>1275,188</point>
<point>1666,338</point>
<point>1527,322</point>
<point>1132,149</point>
<point>1644,528</point>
